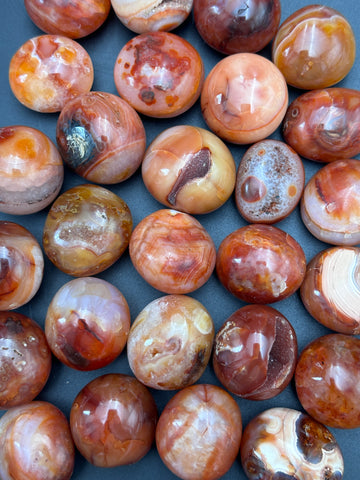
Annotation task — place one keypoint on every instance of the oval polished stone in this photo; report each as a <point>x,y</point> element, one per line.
<point>21,265</point>
<point>269,182</point>
<point>324,125</point>
<point>75,19</point>
<point>287,444</point>
<point>327,379</point>
<point>200,418</point>
<point>113,420</point>
<point>172,251</point>
<point>170,342</point>
<point>255,352</point>
<point>314,47</point>
<point>190,169</point>
<point>331,289</point>
<point>260,264</point>
<point>244,98</point>
<point>87,229</point>
<point>330,206</point>
<point>159,74</point>
<point>36,443</point>
<point>142,16</point>
<point>25,359</point>
<point>101,137</point>
<point>87,323</point>
<point>237,26</point>
<point>49,70</point>
<point>31,170</point>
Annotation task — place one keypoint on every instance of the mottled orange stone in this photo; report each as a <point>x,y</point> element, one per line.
<point>199,432</point>
<point>330,205</point>
<point>260,264</point>
<point>75,19</point>
<point>324,125</point>
<point>244,98</point>
<point>31,170</point>
<point>21,265</point>
<point>327,379</point>
<point>113,420</point>
<point>49,70</point>
<point>172,251</point>
<point>25,359</point>
<point>159,73</point>
<point>87,229</point>
<point>314,47</point>
<point>331,289</point>
<point>36,442</point>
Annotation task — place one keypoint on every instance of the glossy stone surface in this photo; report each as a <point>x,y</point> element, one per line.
<point>35,443</point>
<point>288,444</point>
<point>101,137</point>
<point>331,289</point>
<point>327,379</point>
<point>170,342</point>
<point>260,264</point>
<point>314,47</point>
<point>31,170</point>
<point>113,420</point>
<point>330,206</point>
<point>324,125</point>
<point>269,182</point>
<point>190,169</point>
<point>255,352</point>
<point>21,265</point>
<point>75,19</point>
<point>159,74</point>
<point>25,359</point>
<point>200,418</point>
<point>152,15</point>
<point>237,26</point>
<point>244,98</point>
<point>87,229</point>
<point>49,70</point>
<point>87,323</point>
<point>172,251</point>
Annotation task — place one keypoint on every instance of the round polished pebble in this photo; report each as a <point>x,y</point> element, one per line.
<point>25,359</point>
<point>314,47</point>
<point>75,19</point>
<point>170,342</point>
<point>260,264</point>
<point>31,170</point>
<point>327,379</point>
<point>199,432</point>
<point>49,70</point>
<point>255,352</point>
<point>36,443</point>
<point>283,443</point>
<point>244,98</point>
<point>172,251</point>
<point>160,74</point>
<point>21,265</point>
<point>324,125</point>
<point>87,323</point>
<point>269,183</point>
<point>331,289</point>
<point>101,137</point>
<point>87,229</point>
<point>113,420</point>
<point>190,169</point>
<point>330,206</point>
<point>142,16</point>
<point>237,26</point>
